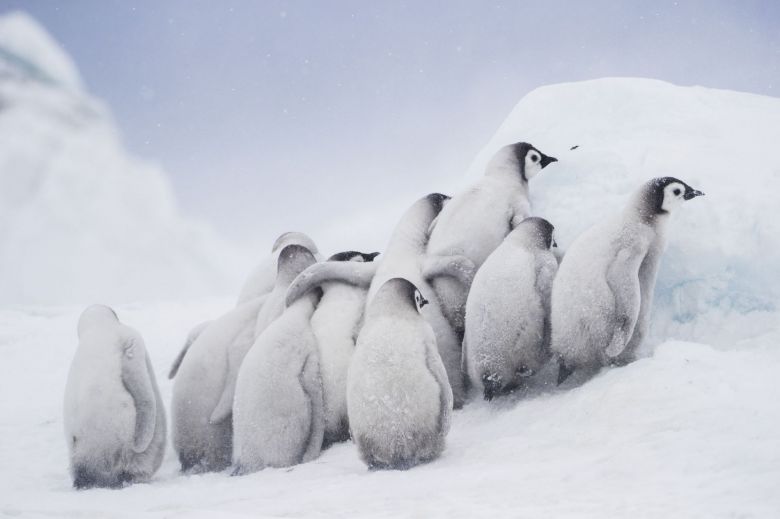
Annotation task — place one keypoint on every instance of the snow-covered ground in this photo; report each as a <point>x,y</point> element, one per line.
<point>692,431</point>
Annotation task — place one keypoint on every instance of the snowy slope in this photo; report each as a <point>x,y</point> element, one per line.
<point>690,432</point>
<point>80,219</point>
<point>721,271</point>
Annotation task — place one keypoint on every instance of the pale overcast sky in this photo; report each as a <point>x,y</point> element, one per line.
<point>269,115</point>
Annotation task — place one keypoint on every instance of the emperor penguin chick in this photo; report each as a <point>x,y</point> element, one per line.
<point>405,257</point>
<point>203,388</point>
<point>508,310</point>
<point>114,417</point>
<point>476,221</point>
<point>278,417</point>
<point>399,400</point>
<point>205,383</point>
<point>335,323</point>
<point>603,291</point>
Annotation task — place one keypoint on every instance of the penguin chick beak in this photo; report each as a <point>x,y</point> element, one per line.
<point>547,160</point>
<point>423,301</point>
<point>692,193</point>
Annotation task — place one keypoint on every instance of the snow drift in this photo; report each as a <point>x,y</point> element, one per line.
<point>689,431</point>
<point>720,277</point>
<point>80,219</point>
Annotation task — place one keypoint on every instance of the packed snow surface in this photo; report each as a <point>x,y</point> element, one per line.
<point>691,431</point>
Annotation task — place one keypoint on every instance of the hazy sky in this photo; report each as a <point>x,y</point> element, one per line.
<point>275,115</point>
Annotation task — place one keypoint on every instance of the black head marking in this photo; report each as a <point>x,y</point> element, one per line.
<point>349,255</point>
<point>437,200</point>
<point>655,193</point>
<point>278,243</point>
<point>543,230</point>
<point>406,289</point>
<point>521,149</point>
<point>294,259</point>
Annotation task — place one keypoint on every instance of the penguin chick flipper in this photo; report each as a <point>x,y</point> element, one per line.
<point>351,273</point>
<point>623,282</point>
<point>224,407</point>
<point>191,337</point>
<point>177,361</point>
<point>457,266</point>
<point>312,386</point>
<point>137,380</point>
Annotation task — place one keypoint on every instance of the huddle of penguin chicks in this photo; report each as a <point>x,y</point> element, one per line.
<point>469,292</point>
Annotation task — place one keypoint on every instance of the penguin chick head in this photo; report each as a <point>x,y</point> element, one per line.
<point>665,194</point>
<point>397,293</point>
<point>297,238</point>
<point>437,201</point>
<point>293,259</point>
<point>530,161</point>
<point>536,232</point>
<point>95,315</point>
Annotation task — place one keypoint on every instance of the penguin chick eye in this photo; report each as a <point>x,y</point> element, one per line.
<point>676,192</point>
<point>534,158</point>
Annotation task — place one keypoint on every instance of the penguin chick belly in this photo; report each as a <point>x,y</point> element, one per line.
<point>335,325</point>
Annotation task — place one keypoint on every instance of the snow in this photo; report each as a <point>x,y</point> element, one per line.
<point>689,430</point>
<point>723,259</point>
<point>80,219</point>
<point>25,42</point>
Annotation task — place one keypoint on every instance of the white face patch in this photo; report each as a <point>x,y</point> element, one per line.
<point>673,196</point>
<point>357,258</point>
<point>533,164</point>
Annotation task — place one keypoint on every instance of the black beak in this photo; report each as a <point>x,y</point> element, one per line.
<point>692,193</point>
<point>554,244</point>
<point>423,301</point>
<point>371,255</point>
<point>547,160</point>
